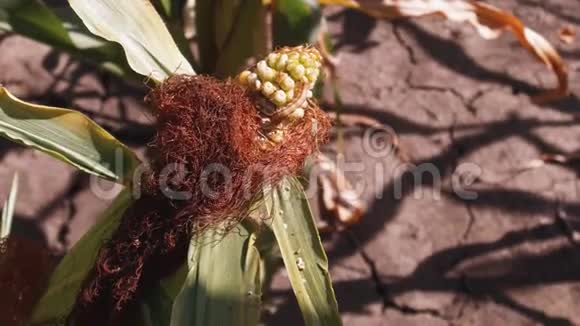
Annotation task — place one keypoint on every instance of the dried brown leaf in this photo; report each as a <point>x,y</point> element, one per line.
<point>338,195</point>
<point>489,21</point>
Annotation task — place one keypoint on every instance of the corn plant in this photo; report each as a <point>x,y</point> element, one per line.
<point>222,275</point>
<point>220,282</point>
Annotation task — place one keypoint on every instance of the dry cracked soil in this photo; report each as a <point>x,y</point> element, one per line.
<point>479,239</point>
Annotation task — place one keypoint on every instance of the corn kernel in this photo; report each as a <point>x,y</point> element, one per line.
<point>257,85</point>
<point>297,114</point>
<point>312,74</point>
<point>243,77</point>
<point>306,60</point>
<point>251,79</point>
<point>290,95</point>
<point>282,61</point>
<point>268,89</point>
<point>272,59</point>
<point>296,71</point>
<point>286,82</point>
<point>279,98</point>
<point>264,72</point>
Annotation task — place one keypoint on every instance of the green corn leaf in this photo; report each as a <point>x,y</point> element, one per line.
<point>8,209</point>
<point>32,18</point>
<point>296,22</point>
<point>63,30</point>
<point>67,135</point>
<point>303,253</point>
<point>139,29</point>
<point>229,33</point>
<point>168,7</point>
<point>223,283</point>
<point>66,280</point>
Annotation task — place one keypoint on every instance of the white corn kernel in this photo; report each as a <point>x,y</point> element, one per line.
<point>272,59</point>
<point>279,98</point>
<point>289,95</point>
<point>268,89</point>
<point>251,79</point>
<point>306,60</point>
<point>312,74</point>
<point>297,71</point>
<point>264,72</point>
<point>261,64</point>
<point>286,82</point>
<point>282,61</point>
<point>297,114</point>
<point>309,94</point>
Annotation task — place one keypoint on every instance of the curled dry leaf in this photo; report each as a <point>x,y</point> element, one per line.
<point>338,195</point>
<point>488,20</point>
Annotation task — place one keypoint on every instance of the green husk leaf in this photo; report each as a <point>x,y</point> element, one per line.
<point>303,253</point>
<point>139,29</point>
<point>296,22</point>
<point>223,283</point>
<point>65,282</point>
<point>8,209</point>
<point>67,135</point>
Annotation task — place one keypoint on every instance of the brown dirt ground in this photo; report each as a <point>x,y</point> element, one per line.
<point>508,257</point>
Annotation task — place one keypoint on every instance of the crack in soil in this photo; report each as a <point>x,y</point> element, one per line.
<point>406,46</point>
<point>438,89</point>
<point>467,102</point>
<point>382,288</point>
<point>471,216</point>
